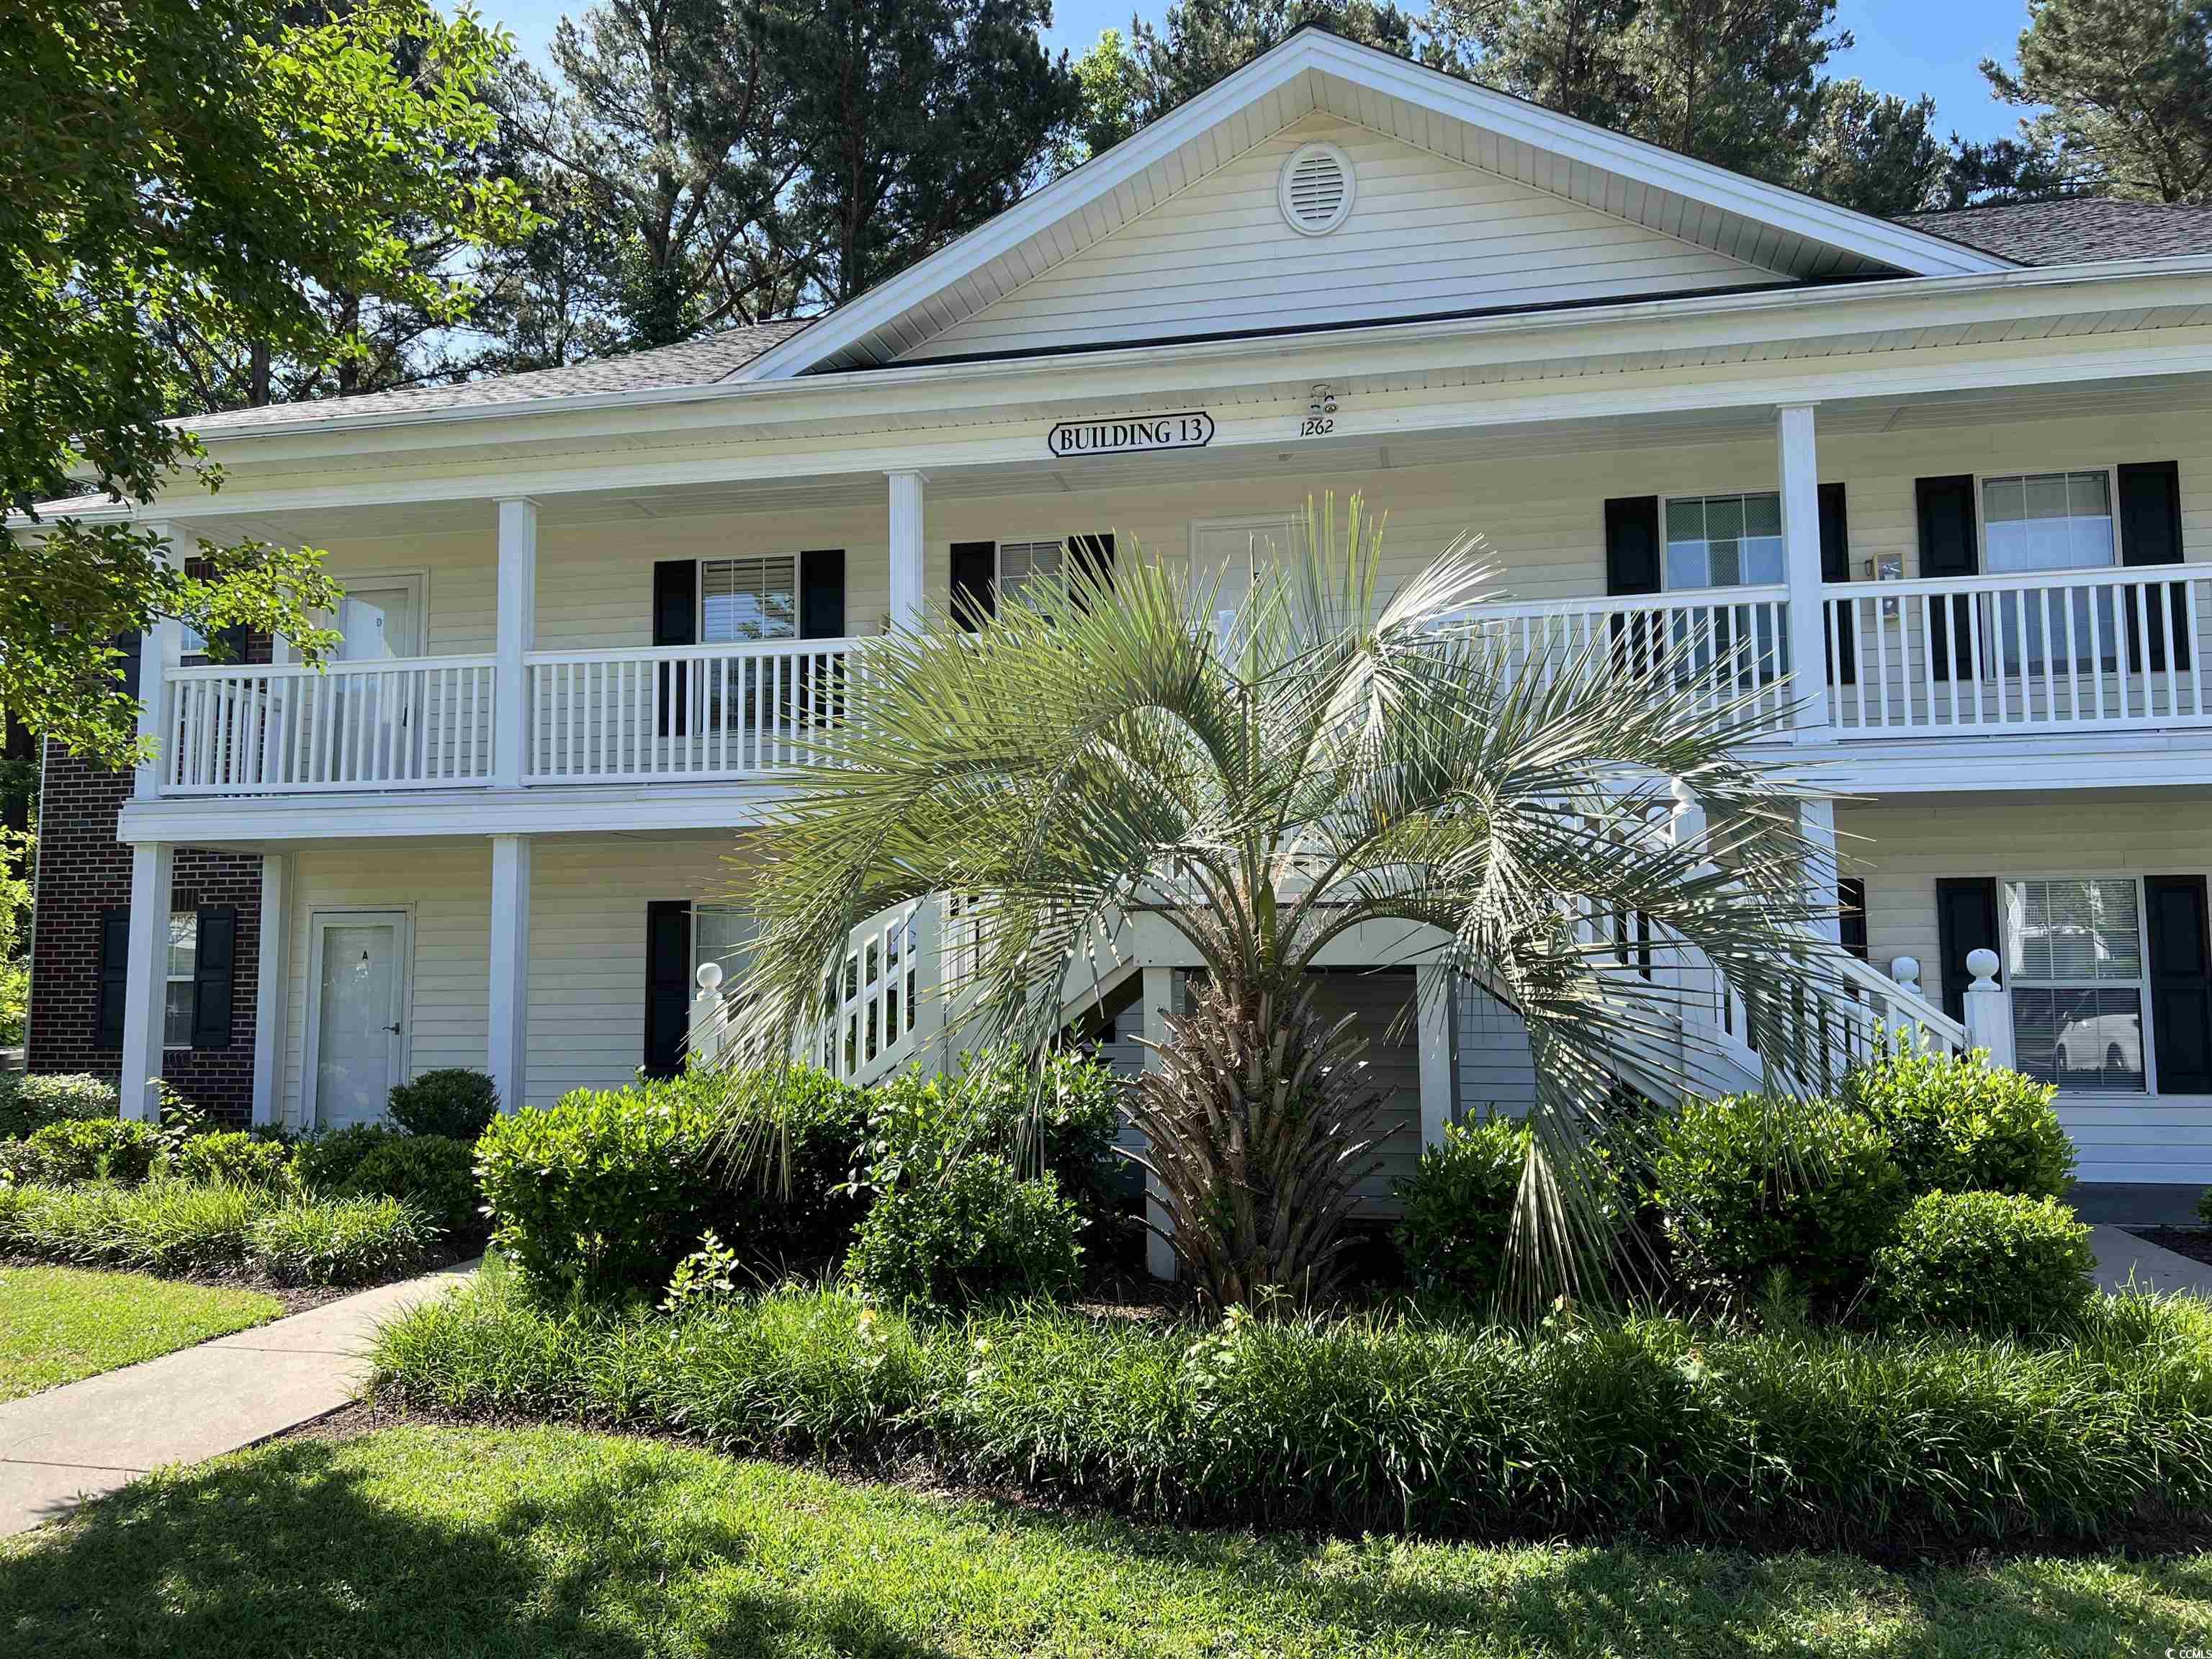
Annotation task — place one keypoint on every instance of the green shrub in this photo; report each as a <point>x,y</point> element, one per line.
<point>1459,1211</point>
<point>435,1174</point>
<point>1751,1185</point>
<point>1994,1262</point>
<point>243,1160</point>
<point>31,1103</point>
<point>91,1149</point>
<point>451,1101</point>
<point>799,1134</point>
<point>601,1195</point>
<point>1059,1116</point>
<point>1797,1436</point>
<point>349,1241</point>
<point>1957,1124</point>
<point>974,1231</point>
<point>327,1159</point>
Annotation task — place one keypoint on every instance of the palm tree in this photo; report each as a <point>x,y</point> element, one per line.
<point>1094,763</point>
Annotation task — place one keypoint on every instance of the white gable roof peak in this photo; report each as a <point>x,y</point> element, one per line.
<point>1796,237</point>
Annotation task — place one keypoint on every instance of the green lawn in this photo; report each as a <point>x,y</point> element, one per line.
<point>482,1541</point>
<point>58,1324</point>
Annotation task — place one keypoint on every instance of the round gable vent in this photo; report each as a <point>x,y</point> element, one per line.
<point>1316,189</point>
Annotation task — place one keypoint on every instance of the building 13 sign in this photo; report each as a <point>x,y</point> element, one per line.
<point>1192,430</point>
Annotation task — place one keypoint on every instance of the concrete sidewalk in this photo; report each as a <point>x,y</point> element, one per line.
<point>2123,1258</point>
<point>61,1447</point>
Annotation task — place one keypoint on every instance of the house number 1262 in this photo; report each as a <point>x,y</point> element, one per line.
<point>1321,412</point>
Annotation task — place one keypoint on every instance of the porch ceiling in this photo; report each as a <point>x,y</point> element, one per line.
<point>824,492</point>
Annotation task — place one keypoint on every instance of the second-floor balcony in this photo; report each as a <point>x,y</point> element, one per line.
<point>2114,650</point>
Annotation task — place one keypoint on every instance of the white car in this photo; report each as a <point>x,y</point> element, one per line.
<point>2098,1045</point>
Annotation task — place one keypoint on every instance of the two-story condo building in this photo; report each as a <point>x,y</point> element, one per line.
<point>1950,480</point>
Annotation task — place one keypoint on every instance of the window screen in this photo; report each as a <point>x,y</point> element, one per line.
<point>181,995</point>
<point>1020,561</point>
<point>2075,962</point>
<point>1723,541</point>
<point>2048,521</point>
<point>753,598</point>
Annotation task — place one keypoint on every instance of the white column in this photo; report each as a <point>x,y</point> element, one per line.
<point>269,985</point>
<point>906,550</point>
<point>1800,545</point>
<point>1433,1007</point>
<point>161,647</point>
<point>518,628</point>
<point>508,1037</point>
<point>153,863</point>
<point>1988,1010</point>
<point>1159,996</point>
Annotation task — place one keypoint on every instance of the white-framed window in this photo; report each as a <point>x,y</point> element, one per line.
<point>1723,541</point>
<point>2077,965</point>
<point>1020,561</point>
<point>180,1001</point>
<point>2049,522</point>
<point>2034,521</point>
<point>755,597</point>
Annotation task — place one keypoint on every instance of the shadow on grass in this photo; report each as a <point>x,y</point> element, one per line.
<point>558,1542</point>
<point>289,1552</point>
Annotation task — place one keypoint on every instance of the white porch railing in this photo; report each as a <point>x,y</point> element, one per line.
<point>2084,650</point>
<point>698,712</point>
<point>1729,643</point>
<point>408,723</point>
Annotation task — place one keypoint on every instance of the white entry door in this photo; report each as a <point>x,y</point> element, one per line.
<point>356,1022</point>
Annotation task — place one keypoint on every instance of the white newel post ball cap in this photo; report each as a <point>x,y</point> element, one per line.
<point>1983,965</point>
<point>1905,971</point>
<point>710,977</point>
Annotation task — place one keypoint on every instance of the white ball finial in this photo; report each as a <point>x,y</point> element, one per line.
<point>710,977</point>
<point>1905,971</point>
<point>1685,797</point>
<point>1983,965</point>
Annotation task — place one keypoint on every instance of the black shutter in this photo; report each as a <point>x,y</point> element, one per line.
<point>1948,547</point>
<point>667,985</point>
<point>675,622</point>
<point>1632,544</point>
<point>2180,983</point>
<point>1850,915</point>
<point>822,594</point>
<point>130,645</point>
<point>216,956</point>
<point>1631,567</point>
<point>1836,567</point>
<point>974,583</point>
<point>2150,533</point>
<point>1094,556</point>
<point>114,979</point>
<point>1966,919</point>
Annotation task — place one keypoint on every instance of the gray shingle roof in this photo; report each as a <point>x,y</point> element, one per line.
<point>694,363</point>
<point>2076,230</point>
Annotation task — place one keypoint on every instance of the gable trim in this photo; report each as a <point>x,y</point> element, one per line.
<point>1914,253</point>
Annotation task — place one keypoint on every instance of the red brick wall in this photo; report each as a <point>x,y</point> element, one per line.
<point>83,871</point>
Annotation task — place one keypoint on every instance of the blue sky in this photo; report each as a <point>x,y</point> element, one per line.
<point>1905,46</point>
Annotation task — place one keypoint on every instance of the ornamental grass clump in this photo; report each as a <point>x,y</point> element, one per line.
<point>1791,1436</point>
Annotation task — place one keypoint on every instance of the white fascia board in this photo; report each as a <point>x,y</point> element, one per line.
<point>279,820</point>
<point>1914,252</point>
